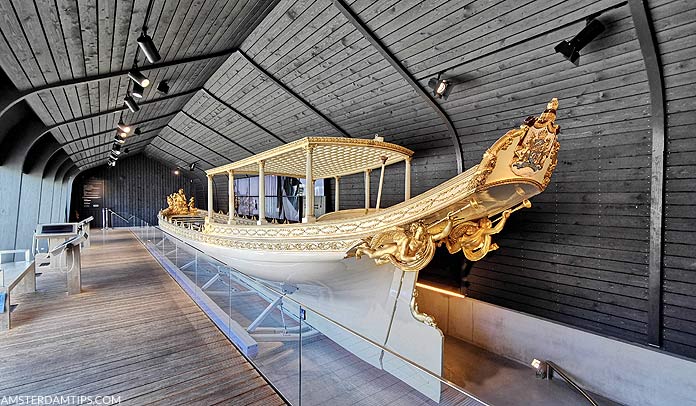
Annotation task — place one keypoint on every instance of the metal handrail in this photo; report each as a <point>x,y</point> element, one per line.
<point>112,213</point>
<point>336,323</point>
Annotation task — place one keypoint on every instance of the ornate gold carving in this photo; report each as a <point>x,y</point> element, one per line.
<point>408,249</point>
<point>490,157</point>
<point>422,317</point>
<point>178,205</point>
<point>474,237</point>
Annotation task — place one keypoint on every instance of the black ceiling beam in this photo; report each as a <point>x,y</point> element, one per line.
<point>642,22</point>
<point>96,78</point>
<point>244,116</point>
<point>192,118</point>
<point>90,159</point>
<point>293,94</point>
<point>47,130</point>
<point>188,152</point>
<point>202,176</point>
<point>141,122</point>
<point>54,146</point>
<point>140,139</point>
<point>387,55</point>
<point>195,142</point>
<point>132,147</point>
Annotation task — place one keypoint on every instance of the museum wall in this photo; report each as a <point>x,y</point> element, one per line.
<point>136,186</point>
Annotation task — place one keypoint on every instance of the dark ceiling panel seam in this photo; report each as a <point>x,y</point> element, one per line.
<point>97,78</point>
<point>196,142</point>
<point>355,20</point>
<point>293,94</point>
<point>244,116</point>
<point>186,151</point>
<point>140,136</point>
<point>216,132</point>
<point>90,157</point>
<point>98,115</point>
<point>113,130</point>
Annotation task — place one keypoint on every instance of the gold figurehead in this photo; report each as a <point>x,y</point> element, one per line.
<point>179,206</point>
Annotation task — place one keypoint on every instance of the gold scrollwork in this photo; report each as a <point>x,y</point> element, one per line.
<point>474,239</point>
<point>409,249</point>
<point>422,317</point>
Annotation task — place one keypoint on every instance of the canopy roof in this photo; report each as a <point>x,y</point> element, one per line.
<point>330,157</point>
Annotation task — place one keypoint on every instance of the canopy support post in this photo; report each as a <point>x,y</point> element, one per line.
<point>337,194</point>
<point>210,199</point>
<point>230,195</point>
<point>381,183</point>
<point>407,181</point>
<point>367,188</point>
<point>309,188</point>
<point>262,194</point>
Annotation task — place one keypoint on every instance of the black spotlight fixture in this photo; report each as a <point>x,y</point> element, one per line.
<point>126,150</point>
<point>571,49</point>
<point>137,91</point>
<point>192,167</point>
<point>148,47</point>
<point>163,87</point>
<point>137,131</point>
<point>123,127</point>
<point>131,104</point>
<point>441,87</point>
<point>116,148</point>
<point>137,77</point>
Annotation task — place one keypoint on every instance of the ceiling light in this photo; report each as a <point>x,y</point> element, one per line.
<point>116,147</point>
<point>119,139</point>
<point>571,49</point>
<point>163,87</point>
<point>116,152</point>
<point>125,128</point>
<point>177,171</point>
<point>131,104</point>
<point>111,163</point>
<point>192,167</point>
<point>137,77</point>
<point>441,87</point>
<point>138,91</point>
<point>148,47</point>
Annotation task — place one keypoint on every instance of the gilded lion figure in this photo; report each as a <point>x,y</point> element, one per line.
<point>179,206</point>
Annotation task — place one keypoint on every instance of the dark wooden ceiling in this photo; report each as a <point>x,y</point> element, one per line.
<point>48,42</point>
<point>303,70</point>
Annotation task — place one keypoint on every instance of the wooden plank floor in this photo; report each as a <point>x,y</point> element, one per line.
<point>132,333</point>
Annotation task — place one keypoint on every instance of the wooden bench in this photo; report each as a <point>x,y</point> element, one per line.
<point>18,276</point>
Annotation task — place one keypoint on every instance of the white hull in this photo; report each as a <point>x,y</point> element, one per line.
<point>372,300</point>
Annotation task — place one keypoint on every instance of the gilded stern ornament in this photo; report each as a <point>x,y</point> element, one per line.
<point>178,206</point>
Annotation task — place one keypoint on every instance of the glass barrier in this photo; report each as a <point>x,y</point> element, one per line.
<point>309,358</point>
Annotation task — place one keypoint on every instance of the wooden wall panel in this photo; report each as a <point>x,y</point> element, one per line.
<point>135,186</point>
